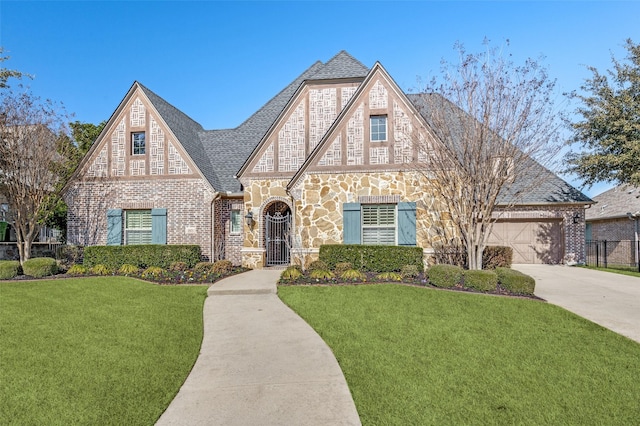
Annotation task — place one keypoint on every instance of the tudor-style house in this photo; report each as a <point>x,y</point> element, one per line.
<point>326,161</point>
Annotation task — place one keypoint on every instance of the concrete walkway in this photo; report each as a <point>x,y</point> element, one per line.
<point>260,364</point>
<point>609,299</point>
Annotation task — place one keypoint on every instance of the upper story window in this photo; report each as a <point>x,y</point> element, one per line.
<point>137,143</point>
<point>378,128</point>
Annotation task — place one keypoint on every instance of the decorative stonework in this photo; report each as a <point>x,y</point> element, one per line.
<point>138,112</point>
<point>137,167</point>
<point>156,149</point>
<point>402,132</point>
<point>265,164</point>
<point>346,94</point>
<point>355,137</point>
<point>118,153</point>
<point>378,96</point>
<point>379,155</point>
<point>333,155</point>
<point>99,166</point>
<point>291,141</point>
<point>322,112</point>
<point>177,166</point>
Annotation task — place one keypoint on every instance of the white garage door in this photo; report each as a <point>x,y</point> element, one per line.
<point>532,242</point>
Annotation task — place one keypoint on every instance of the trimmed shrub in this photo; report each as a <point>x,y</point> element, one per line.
<point>69,255</point>
<point>77,270</point>
<point>128,269</point>
<point>353,275</point>
<point>409,271</point>
<point>371,258</point>
<point>152,272</point>
<point>497,257</point>
<point>141,256</point>
<point>178,266</point>
<point>9,269</point>
<point>445,276</point>
<point>222,267</point>
<point>317,264</point>
<point>99,269</point>
<point>389,276</point>
<point>321,274</point>
<point>203,267</point>
<point>342,267</point>
<point>291,273</point>
<point>515,281</point>
<point>481,280</point>
<point>39,267</point>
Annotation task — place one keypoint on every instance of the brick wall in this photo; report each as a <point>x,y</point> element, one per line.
<point>613,229</point>
<point>227,244</point>
<point>188,203</point>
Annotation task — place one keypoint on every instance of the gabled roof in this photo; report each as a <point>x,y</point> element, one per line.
<point>548,187</point>
<point>615,203</point>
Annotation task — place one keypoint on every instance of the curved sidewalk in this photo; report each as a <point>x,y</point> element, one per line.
<point>260,364</point>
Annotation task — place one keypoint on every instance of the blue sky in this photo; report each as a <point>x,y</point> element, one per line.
<point>221,61</point>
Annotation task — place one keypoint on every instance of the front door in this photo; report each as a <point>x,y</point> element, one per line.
<point>277,234</point>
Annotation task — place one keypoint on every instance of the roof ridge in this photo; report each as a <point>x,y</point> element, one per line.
<point>166,103</point>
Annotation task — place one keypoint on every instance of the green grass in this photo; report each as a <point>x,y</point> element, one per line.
<point>416,356</point>
<point>623,270</point>
<point>100,351</point>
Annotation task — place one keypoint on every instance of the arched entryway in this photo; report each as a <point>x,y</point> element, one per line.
<point>277,233</point>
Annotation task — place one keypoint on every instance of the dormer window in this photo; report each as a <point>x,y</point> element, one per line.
<point>378,128</point>
<point>137,143</point>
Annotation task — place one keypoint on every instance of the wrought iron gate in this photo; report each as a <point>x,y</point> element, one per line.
<point>277,238</point>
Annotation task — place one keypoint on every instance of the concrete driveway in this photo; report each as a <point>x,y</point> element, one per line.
<point>611,300</point>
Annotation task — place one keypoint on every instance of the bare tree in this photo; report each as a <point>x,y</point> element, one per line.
<point>33,158</point>
<point>491,128</point>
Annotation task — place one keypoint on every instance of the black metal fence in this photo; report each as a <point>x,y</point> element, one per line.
<point>613,254</point>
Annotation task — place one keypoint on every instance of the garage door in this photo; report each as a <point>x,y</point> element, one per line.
<point>532,242</point>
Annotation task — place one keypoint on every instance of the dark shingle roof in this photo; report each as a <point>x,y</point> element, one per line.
<point>616,202</point>
<point>539,186</point>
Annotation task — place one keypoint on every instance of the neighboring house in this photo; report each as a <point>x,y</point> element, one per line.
<point>615,218</point>
<point>326,161</point>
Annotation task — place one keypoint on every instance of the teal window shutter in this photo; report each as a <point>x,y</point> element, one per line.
<point>407,224</point>
<point>158,226</point>
<point>352,227</point>
<point>114,227</point>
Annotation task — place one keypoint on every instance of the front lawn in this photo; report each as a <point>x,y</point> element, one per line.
<point>417,356</point>
<point>623,270</point>
<point>101,350</point>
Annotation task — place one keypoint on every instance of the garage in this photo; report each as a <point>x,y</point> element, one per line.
<point>538,241</point>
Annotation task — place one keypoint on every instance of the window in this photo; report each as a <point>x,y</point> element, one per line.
<point>137,143</point>
<point>137,227</point>
<point>236,222</point>
<point>378,128</point>
<point>4,210</point>
<point>379,224</point>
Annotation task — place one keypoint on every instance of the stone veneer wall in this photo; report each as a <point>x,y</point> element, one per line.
<point>227,244</point>
<point>188,203</point>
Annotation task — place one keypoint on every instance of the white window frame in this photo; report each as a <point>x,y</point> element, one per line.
<point>374,130</point>
<point>381,224</point>
<point>235,221</point>
<point>133,143</point>
<point>142,229</point>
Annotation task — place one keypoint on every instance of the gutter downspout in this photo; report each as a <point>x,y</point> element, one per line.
<point>216,196</point>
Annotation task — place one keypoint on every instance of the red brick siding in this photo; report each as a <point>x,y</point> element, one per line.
<point>227,245</point>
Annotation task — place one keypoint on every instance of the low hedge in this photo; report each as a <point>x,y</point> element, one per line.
<point>515,281</point>
<point>39,267</point>
<point>445,276</point>
<point>9,269</point>
<point>371,258</point>
<point>481,280</point>
<point>141,256</point>
<point>497,257</point>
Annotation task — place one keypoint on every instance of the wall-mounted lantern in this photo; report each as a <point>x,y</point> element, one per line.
<point>249,219</point>
<point>576,218</point>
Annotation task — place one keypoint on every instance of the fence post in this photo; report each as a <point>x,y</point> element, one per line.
<point>597,254</point>
<point>605,253</point>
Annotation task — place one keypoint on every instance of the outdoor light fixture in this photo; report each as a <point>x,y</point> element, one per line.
<point>576,218</point>
<point>249,219</point>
